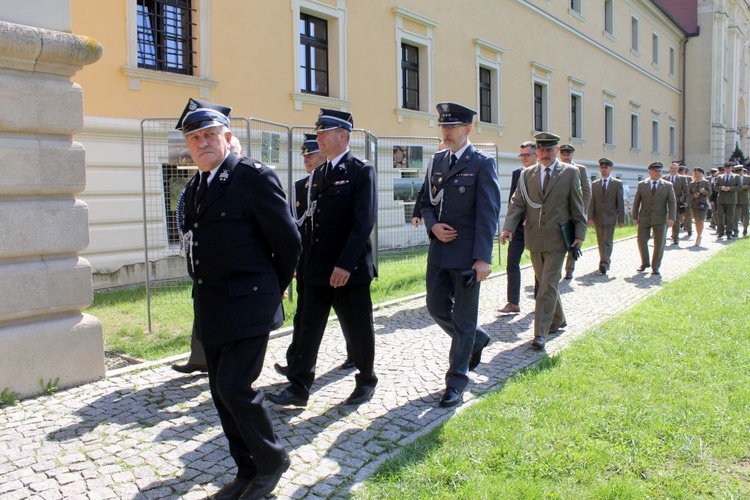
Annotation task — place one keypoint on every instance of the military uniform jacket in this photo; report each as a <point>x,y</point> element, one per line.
<point>607,208</point>
<point>470,205</point>
<point>337,234</point>
<point>585,186</point>
<point>694,188</point>
<point>743,194</point>
<point>243,252</point>
<point>545,213</point>
<point>298,211</point>
<point>727,197</point>
<point>656,209</point>
<point>513,185</point>
<point>680,186</point>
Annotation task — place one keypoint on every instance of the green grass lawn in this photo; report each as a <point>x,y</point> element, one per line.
<point>125,321</point>
<point>654,403</point>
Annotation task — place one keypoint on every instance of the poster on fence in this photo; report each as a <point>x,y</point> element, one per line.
<point>408,157</point>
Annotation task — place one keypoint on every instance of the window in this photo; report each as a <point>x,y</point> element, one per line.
<point>313,40</point>
<point>634,34</point>
<point>540,105</point>
<point>655,49</point>
<point>609,17</point>
<point>655,136</point>
<point>671,61</point>
<point>609,124</point>
<point>672,141</point>
<point>409,76</point>
<point>489,69</point>
<point>165,39</point>
<point>576,116</point>
<point>634,139</point>
<point>485,95</point>
<point>415,70</point>
<point>575,5</point>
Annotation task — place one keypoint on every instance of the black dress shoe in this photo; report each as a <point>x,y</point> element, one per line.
<point>265,484</point>
<point>602,269</point>
<point>675,242</point>
<point>642,268</point>
<point>451,397</point>
<point>360,394</point>
<point>568,275</point>
<point>281,369</point>
<point>539,342</point>
<point>655,272</point>
<point>287,398</point>
<point>190,368</point>
<point>233,490</point>
<point>476,358</point>
<point>348,364</point>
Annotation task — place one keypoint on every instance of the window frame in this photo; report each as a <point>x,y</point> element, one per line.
<point>489,58</point>
<point>609,17</point>
<point>635,132</point>
<point>655,49</point>
<point>672,61</point>
<point>635,41</point>
<point>308,43</point>
<point>172,50</point>
<point>409,67</point>
<point>576,115</point>
<point>655,136</point>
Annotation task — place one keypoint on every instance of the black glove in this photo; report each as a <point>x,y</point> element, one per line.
<point>469,278</point>
<point>575,252</point>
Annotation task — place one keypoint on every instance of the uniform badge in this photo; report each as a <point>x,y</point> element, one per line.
<point>257,165</point>
<point>192,106</point>
<point>440,180</point>
<point>461,189</point>
<point>223,176</point>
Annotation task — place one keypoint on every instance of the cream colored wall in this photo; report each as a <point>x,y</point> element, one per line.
<point>252,47</point>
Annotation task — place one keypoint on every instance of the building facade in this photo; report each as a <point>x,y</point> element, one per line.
<point>606,75</point>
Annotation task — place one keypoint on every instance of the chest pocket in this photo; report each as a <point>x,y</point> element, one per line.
<point>462,184</point>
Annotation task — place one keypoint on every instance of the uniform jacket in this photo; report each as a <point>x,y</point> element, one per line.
<point>585,186</point>
<point>338,232</point>
<point>562,201</point>
<point>607,208</point>
<point>743,194</point>
<point>654,210</point>
<point>470,205</point>
<point>694,188</point>
<point>243,252</point>
<point>680,186</point>
<point>513,185</point>
<point>727,197</point>
<point>298,210</point>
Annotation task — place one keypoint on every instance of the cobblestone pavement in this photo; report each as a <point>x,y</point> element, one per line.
<point>151,433</point>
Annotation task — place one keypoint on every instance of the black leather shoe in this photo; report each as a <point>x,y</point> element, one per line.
<point>190,368</point>
<point>233,490</point>
<point>476,358</point>
<point>539,342</point>
<point>287,398</point>
<point>281,369</point>
<point>642,268</point>
<point>265,484</point>
<point>360,394</point>
<point>655,272</point>
<point>602,269</point>
<point>568,275</point>
<point>451,397</point>
<point>675,242</point>
<point>348,364</point>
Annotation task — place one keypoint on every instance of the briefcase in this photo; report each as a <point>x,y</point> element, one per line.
<point>569,236</point>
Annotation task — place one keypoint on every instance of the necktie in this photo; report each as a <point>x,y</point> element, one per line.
<point>727,178</point>
<point>328,170</point>
<point>452,164</point>
<point>546,180</point>
<point>653,187</point>
<point>604,185</point>
<point>202,188</point>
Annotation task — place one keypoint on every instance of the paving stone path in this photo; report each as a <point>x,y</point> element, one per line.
<point>148,432</point>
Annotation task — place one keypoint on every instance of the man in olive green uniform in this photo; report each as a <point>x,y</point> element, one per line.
<point>654,209</point>
<point>548,195</point>
<point>566,156</point>
<point>727,185</point>
<point>680,186</point>
<point>743,196</point>
<point>607,208</point>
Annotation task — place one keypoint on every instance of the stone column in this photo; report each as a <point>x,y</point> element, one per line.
<point>44,284</point>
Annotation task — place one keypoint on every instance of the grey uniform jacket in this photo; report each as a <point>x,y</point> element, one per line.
<point>607,208</point>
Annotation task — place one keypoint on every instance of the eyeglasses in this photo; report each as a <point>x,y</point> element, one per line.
<point>524,155</point>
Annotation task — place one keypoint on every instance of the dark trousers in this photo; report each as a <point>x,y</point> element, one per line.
<point>353,306</point>
<point>298,318</point>
<point>232,369</point>
<point>513,266</point>
<point>197,356</point>
<point>454,308</point>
